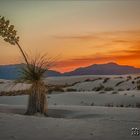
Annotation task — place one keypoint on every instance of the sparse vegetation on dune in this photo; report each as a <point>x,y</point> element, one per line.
<point>105,80</point>
<point>108,89</point>
<point>119,83</point>
<point>114,92</point>
<point>55,88</point>
<point>138,85</point>
<point>138,105</point>
<point>70,89</point>
<point>14,93</point>
<point>137,78</point>
<point>100,87</point>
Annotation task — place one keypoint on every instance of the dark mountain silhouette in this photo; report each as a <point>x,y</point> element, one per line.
<point>104,69</point>
<point>13,71</point>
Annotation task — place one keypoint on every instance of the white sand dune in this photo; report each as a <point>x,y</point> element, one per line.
<point>74,123</point>
<point>122,98</point>
<point>75,115</point>
<point>81,83</point>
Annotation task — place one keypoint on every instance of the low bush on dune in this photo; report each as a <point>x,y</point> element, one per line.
<point>120,89</point>
<point>108,89</point>
<point>56,89</point>
<point>92,104</point>
<point>101,92</point>
<point>106,80</point>
<point>73,84</point>
<point>101,87</point>
<point>138,85</point>
<point>71,89</point>
<point>114,92</point>
<point>133,82</point>
<point>121,105</point>
<point>109,105</point>
<point>119,83</point>
<point>87,80</point>
<point>129,77</point>
<point>137,78</point>
<point>14,93</point>
<point>132,95</point>
<point>129,105</point>
<point>138,105</point>
<point>92,80</point>
<point>118,77</point>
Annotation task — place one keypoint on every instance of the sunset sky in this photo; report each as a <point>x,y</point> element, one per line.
<point>78,33</point>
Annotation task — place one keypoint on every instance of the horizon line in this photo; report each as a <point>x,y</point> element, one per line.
<point>77,67</point>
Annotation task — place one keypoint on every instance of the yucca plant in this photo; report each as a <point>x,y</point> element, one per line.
<point>32,72</point>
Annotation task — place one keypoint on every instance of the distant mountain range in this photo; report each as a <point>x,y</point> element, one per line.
<point>13,71</point>
<point>104,69</point>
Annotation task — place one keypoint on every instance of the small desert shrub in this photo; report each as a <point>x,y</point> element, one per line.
<point>132,95</point>
<point>92,104</point>
<point>82,102</point>
<point>105,80</point>
<point>119,83</point>
<point>57,89</point>
<point>1,82</point>
<point>129,105</point>
<point>48,97</point>
<point>14,93</point>
<point>102,92</point>
<point>109,104</point>
<point>121,105</point>
<point>75,83</point>
<point>120,89</point>
<point>125,93</point>
<point>101,87</point>
<point>118,77</point>
<point>137,77</point>
<point>133,82</point>
<point>114,92</point>
<point>129,77</point>
<point>87,80</point>
<point>108,89</point>
<point>138,105</point>
<point>71,89</point>
<point>128,89</point>
<point>138,85</point>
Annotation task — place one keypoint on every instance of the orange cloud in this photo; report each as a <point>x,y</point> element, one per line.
<point>130,57</point>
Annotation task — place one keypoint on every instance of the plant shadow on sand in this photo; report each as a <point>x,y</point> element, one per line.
<point>54,113</point>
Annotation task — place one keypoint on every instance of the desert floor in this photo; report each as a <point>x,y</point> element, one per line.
<point>83,114</point>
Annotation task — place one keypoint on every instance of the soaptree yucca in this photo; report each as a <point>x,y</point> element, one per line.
<point>32,72</point>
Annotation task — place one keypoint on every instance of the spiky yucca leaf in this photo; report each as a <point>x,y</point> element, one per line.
<point>36,69</point>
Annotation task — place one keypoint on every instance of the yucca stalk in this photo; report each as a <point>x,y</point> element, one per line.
<point>10,35</point>
<point>32,72</point>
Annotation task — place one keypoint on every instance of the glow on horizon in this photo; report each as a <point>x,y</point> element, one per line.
<point>80,33</point>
